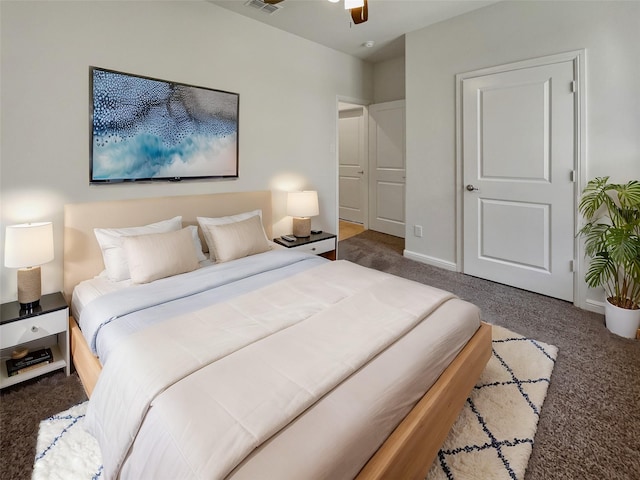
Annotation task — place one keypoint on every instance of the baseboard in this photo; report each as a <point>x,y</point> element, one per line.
<point>434,262</point>
<point>592,306</point>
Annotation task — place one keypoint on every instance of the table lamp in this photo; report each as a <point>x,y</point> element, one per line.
<point>27,246</point>
<point>301,206</point>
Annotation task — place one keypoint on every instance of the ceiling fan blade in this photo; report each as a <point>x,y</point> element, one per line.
<point>360,14</point>
<point>271,2</point>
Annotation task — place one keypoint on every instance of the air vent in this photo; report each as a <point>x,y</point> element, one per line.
<point>263,7</point>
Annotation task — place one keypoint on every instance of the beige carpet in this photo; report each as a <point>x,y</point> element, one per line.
<point>491,440</point>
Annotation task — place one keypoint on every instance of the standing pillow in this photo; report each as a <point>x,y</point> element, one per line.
<point>160,255</point>
<point>110,241</point>
<point>197,244</point>
<point>239,239</point>
<point>206,222</point>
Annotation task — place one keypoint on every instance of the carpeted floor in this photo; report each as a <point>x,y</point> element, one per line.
<point>22,407</point>
<point>589,426</point>
<point>590,422</point>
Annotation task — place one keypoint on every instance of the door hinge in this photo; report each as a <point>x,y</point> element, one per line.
<point>572,176</point>
<point>572,266</point>
<point>573,86</point>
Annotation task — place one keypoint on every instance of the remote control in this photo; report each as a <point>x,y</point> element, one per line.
<point>288,238</point>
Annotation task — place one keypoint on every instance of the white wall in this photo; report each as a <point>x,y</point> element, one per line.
<point>388,80</point>
<point>502,33</point>
<point>288,88</point>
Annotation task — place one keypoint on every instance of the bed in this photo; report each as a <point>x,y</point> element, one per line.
<point>334,427</point>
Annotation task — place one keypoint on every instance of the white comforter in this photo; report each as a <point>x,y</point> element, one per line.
<point>224,379</point>
<point>110,318</point>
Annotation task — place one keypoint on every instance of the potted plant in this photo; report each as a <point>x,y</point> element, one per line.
<point>612,241</point>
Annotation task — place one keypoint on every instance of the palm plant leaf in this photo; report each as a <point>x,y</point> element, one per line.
<point>595,235</point>
<point>601,270</point>
<point>629,195</point>
<point>621,247</point>
<point>594,196</point>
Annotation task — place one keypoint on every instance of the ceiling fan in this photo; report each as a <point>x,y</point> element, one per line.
<point>359,8</point>
<point>360,12</point>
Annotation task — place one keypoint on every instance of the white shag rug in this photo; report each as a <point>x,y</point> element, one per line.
<point>492,438</point>
<point>493,435</point>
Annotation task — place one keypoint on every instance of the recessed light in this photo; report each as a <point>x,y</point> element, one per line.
<point>369,43</point>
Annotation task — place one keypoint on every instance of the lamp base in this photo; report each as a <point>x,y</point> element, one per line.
<point>301,227</point>
<point>31,307</point>
<point>29,287</point>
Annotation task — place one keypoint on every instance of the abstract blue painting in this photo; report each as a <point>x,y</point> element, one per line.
<point>149,129</point>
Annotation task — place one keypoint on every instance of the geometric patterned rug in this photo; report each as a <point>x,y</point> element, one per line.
<point>493,435</point>
<point>491,439</point>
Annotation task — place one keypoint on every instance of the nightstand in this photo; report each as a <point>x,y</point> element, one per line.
<point>323,244</point>
<point>45,326</point>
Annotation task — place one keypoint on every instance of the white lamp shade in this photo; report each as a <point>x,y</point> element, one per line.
<point>28,245</point>
<point>349,4</point>
<point>303,204</point>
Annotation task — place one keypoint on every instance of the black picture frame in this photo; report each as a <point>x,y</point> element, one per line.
<point>145,129</point>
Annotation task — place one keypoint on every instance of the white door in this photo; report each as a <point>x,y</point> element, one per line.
<point>387,172</point>
<point>352,157</point>
<point>519,134</point>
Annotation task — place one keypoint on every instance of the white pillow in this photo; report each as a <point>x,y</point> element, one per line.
<point>205,222</point>
<point>160,255</point>
<point>239,239</point>
<point>110,241</point>
<point>197,244</point>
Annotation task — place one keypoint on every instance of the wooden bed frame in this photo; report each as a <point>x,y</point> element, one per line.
<point>411,448</point>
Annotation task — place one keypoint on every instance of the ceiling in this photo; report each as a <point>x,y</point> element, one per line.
<point>330,24</point>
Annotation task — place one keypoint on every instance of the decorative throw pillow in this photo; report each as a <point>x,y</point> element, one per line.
<point>205,222</point>
<point>160,255</point>
<point>239,239</point>
<point>110,241</point>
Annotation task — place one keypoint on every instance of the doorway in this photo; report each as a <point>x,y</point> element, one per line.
<point>353,163</point>
<point>518,135</point>
<point>371,167</point>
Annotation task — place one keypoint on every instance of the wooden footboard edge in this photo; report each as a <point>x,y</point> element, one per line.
<point>86,363</point>
<point>412,447</point>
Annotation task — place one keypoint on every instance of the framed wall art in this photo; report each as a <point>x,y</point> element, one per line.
<point>145,129</point>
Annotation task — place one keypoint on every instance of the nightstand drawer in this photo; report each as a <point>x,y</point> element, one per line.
<point>33,328</point>
<point>317,248</point>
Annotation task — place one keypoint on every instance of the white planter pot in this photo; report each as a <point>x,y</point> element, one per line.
<point>622,321</point>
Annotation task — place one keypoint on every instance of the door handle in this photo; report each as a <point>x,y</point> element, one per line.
<point>471,188</point>
<point>361,171</point>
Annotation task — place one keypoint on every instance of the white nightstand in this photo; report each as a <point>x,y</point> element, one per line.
<point>45,326</point>
<point>323,244</point>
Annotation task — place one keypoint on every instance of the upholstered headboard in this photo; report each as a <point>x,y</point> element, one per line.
<point>82,255</point>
